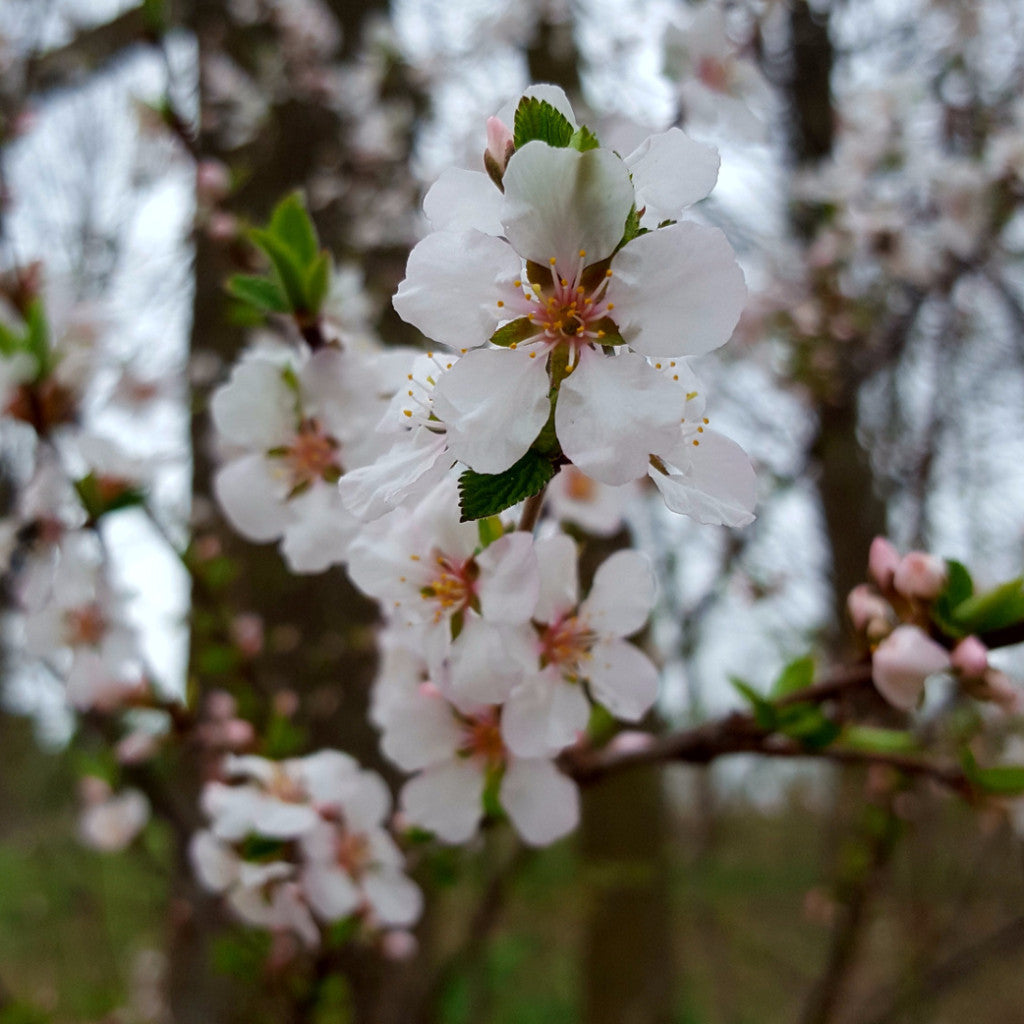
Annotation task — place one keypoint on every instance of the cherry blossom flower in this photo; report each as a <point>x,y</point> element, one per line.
<point>903,661</point>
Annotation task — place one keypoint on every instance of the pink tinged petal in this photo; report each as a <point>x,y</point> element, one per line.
<point>622,595</point>
<point>612,412</point>
<point>903,661</point>
<point>677,291</point>
<point>543,804</point>
<point>452,285</point>
<point>623,679</point>
<point>396,900</point>
<point>671,172</point>
<point>253,498</point>
<point>421,732</point>
<point>462,199</point>
<point>494,404</point>
<point>544,715</point>
<point>559,587</point>
<point>331,893</point>
<point>559,201</point>
<point>712,482</point>
<point>446,800</point>
<point>255,408</point>
<point>509,580</point>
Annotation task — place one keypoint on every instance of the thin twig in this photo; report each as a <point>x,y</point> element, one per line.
<point>531,511</point>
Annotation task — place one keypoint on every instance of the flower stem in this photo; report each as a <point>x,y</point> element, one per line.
<point>531,510</point>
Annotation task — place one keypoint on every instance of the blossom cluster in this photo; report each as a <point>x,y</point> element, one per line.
<point>894,616</point>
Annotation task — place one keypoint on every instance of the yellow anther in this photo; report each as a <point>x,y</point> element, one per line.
<point>430,355</point>
<point>563,282</point>
<point>691,395</point>
<point>706,420</point>
<point>600,334</point>
<point>611,306</point>
<point>536,288</point>
<point>514,344</point>
<point>414,558</point>
<point>675,376</point>
<point>500,303</point>
<point>533,355</point>
<point>447,366</point>
<point>518,284</point>
<point>657,366</point>
<point>579,290</point>
<point>583,252</point>
<point>409,376</point>
<point>696,443</point>
<point>673,363</point>
<point>408,412</point>
<point>608,272</point>
<point>700,430</point>
<point>463,350</point>
<point>552,261</point>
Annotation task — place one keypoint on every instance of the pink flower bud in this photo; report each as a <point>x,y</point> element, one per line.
<point>247,632</point>
<point>399,945</point>
<point>220,705</point>
<point>631,741</point>
<point>920,575</point>
<point>903,661</point>
<point>93,790</point>
<point>222,227</point>
<point>970,658</point>
<point>499,139</point>
<point>238,734</point>
<point>137,747</point>
<point>883,559</point>
<point>213,181</point>
<point>866,606</point>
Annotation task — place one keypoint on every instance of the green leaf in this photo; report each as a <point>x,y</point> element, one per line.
<point>290,271</point>
<point>878,740</point>
<point>514,332</point>
<point>797,675</point>
<point>259,292</point>
<point>632,229</point>
<point>291,223</point>
<point>98,504</point>
<point>487,494</point>
<point>1001,780</point>
<point>994,609</point>
<point>10,341</point>
<point>808,724</point>
<point>959,587</point>
<point>538,119</point>
<point>764,710</point>
<point>217,659</point>
<point>583,139</point>
<point>318,282</point>
<point>282,738</point>
<point>37,338</point>
<point>489,530</point>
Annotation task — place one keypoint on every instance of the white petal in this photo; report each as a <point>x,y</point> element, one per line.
<point>213,861</point>
<point>543,716</point>
<point>509,580</point>
<point>252,498</point>
<point>559,587</point>
<point>480,670</point>
<point>331,893</point>
<point>395,899</point>
<point>715,484</point>
<point>452,284</point>
<point>420,732</point>
<point>677,291</point>
<point>621,596</point>
<point>670,172</point>
<point>446,799</point>
<point>321,530</point>
<point>462,199</point>
<point>255,408</point>
<point>543,804</point>
<point>612,412</point>
<point>559,201</point>
<point>494,404</point>
<point>623,679</point>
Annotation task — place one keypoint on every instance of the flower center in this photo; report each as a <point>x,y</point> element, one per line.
<point>481,738</point>
<point>84,626</point>
<point>579,486</point>
<point>451,587</point>
<point>353,853</point>
<point>312,456</point>
<point>570,308</point>
<point>566,644</point>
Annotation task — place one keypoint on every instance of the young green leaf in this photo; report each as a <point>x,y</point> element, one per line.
<point>289,270</point>
<point>1002,606</point>
<point>291,223</point>
<point>514,332</point>
<point>1000,780</point>
<point>538,119</point>
<point>764,710</point>
<point>879,740</point>
<point>797,675</point>
<point>583,139</point>
<point>259,292</point>
<point>486,494</point>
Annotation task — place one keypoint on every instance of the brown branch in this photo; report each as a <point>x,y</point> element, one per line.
<point>740,733</point>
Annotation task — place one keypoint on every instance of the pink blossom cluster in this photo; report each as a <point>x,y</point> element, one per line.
<point>893,616</point>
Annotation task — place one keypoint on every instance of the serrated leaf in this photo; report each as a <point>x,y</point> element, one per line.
<point>259,292</point>
<point>318,282</point>
<point>1001,780</point>
<point>538,119</point>
<point>291,223</point>
<point>514,332</point>
<point>286,266</point>
<point>1002,606</point>
<point>764,711</point>
<point>632,228</point>
<point>797,675</point>
<point>486,494</point>
<point>583,139</point>
<point>882,741</point>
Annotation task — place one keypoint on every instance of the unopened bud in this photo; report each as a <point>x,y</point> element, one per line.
<point>883,559</point>
<point>866,607</point>
<point>500,147</point>
<point>213,181</point>
<point>238,734</point>
<point>399,945</point>
<point>903,661</point>
<point>920,575</point>
<point>970,658</point>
